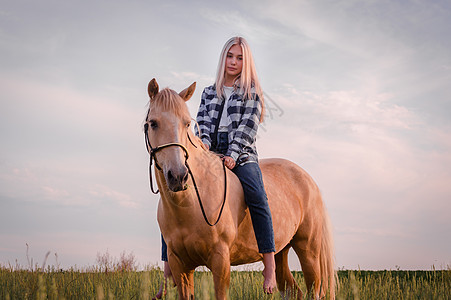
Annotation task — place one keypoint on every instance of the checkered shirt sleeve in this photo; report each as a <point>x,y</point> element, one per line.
<point>247,122</point>
<point>203,118</point>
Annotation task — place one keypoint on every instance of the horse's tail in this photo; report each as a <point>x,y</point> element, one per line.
<point>329,278</point>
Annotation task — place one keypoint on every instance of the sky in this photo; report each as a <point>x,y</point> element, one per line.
<point>358,93</point>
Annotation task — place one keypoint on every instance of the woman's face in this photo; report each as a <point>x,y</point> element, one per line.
<point>234,61</point>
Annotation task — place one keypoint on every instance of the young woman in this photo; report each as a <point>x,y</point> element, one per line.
<point>229,115</point>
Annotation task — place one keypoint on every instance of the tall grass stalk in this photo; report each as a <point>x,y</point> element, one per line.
<point>119,284</point>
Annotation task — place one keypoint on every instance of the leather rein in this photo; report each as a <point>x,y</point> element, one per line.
<point>153,151</point>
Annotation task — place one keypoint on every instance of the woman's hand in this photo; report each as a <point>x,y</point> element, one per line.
<point>229,162</point>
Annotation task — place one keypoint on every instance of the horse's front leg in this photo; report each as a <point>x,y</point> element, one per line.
<point>183,277</point>
<point>220,267</point>
<point>186,287</point>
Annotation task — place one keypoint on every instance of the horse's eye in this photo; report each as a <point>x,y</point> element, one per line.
<point>153,124</point>
<point>188,124</point>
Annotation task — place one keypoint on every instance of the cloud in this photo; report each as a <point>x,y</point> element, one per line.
<point>54,193</point>
<point>112,196</point>
<point>359,231</point>
<point>244,24</point>
<point>189,77</point>
<point>60,143</point>
<point>52,186</point>
<point>30,100</point>
<point>350,113</point>
<point>383,47</point>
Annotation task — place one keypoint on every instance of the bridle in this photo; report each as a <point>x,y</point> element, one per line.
<point>153,151</point>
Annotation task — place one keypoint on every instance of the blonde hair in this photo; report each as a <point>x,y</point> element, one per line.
<point>247,81</point>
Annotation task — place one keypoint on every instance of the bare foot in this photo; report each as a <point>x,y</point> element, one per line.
<point>270,284</point>
<point>162,290</point>
<point>269,273</point>
<point>167,274</point>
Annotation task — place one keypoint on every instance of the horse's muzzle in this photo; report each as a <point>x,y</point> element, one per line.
<point>177,178</point>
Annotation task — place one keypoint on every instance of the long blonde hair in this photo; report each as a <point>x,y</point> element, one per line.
<point>247,81</point>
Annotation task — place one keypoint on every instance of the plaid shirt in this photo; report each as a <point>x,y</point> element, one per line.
<point>243,118</point>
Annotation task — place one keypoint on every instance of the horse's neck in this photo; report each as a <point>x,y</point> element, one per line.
<point>207,167</point>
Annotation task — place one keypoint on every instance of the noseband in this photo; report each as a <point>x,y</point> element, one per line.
<point>152,152</point>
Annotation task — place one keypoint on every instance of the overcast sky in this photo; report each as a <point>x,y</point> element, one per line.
<point>358,94</point>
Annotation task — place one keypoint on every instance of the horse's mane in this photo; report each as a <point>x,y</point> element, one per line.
<point>169,100</point>
<point>199,142</point>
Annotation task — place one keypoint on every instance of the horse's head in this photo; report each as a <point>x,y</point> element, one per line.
<point>167,129</point>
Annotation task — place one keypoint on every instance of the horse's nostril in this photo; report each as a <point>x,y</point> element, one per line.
<point>170,176</point>
<point>177,178</point>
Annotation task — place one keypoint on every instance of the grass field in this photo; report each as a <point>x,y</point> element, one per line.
<point>116,284</point>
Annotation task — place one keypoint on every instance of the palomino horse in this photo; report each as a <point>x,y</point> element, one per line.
<point>195,187</point>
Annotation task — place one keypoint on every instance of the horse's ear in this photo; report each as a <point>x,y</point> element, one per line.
<point>152,88</point>
<point>188,92</point>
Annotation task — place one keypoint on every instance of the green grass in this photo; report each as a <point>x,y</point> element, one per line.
<point>95,284</point>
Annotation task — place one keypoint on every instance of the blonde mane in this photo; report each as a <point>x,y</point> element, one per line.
<point>169,100</point>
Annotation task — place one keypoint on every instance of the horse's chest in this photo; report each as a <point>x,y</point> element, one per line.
<point>192,247</point>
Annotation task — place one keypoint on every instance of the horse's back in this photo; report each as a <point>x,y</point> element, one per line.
<point>283,175</point>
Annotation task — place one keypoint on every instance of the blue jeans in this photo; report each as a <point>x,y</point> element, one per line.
<point>255,197</point>
<point>164,250</point>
